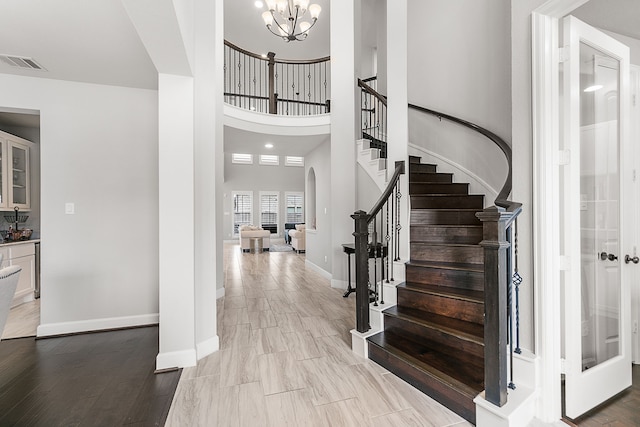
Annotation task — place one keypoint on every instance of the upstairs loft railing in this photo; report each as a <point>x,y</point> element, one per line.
<point>276,86</point>
<point>373,115</point>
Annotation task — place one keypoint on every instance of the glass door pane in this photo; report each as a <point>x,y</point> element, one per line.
<point>600,206</point>
<point>19,170</point>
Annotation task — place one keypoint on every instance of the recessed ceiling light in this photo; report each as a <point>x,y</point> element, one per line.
<point>268,145</point>
<point>258,4</point>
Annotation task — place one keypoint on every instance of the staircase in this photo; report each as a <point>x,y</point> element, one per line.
<point>433,337</point>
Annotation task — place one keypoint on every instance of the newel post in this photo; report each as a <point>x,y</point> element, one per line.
<point>273,104</point>
<point>361,235</point>
<point>494,241</point>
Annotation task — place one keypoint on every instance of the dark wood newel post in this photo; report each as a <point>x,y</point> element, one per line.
<point>495,244</point>
<point>361,235</point>
<point>273,104</point>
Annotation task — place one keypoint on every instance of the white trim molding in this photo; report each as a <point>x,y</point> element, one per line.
<point>60,328</point>
<point>273,124</point>
<point>324,273</point>
<point>546,193</point>
<point>207,347</point>
<point>176,359</point>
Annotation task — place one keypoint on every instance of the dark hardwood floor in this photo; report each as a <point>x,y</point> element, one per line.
<point>622,410</point>
<point>97,379</point>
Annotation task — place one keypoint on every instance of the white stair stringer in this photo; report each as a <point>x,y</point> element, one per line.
<point>369,159</point>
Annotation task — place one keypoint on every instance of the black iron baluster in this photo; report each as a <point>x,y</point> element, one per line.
<point>509,307</point>
<point>517,280</point>
<point>381,258</point>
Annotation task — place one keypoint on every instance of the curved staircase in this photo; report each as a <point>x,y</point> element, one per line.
<point>434,337</point>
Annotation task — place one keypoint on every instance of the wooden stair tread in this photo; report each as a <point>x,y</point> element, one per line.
<point>459,328</point>
<point>446,368</point>
<point>478,268</point>
<point>445,291</point>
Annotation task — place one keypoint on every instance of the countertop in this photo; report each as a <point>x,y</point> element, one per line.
<point>20,242</point>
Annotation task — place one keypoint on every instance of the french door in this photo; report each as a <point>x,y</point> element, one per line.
<point>597,183</point>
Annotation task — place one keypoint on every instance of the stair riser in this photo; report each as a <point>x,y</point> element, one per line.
<point>469,311</point>
<point>461,279</point>
<point>473,201</point>
<point>436,188</point>
<point>473,352</point>
<point>440,392</point>
<point>418,178</point>
<point>434,234</point>
<point>421,167</point>
<point>452,217</point>
<point>455,254</point>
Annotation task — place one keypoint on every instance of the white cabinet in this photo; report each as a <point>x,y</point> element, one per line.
<point>15,182</point>
<point>24,255</point>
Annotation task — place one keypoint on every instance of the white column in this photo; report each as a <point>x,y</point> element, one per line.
<point>176,218</point>
<point>345,16</point>
<point>208,135</point>
<point>397,111</point>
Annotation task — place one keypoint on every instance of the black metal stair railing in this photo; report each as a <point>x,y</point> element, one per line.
<point>373,117</point>
<point>276,86</point>
<point>377,236</point>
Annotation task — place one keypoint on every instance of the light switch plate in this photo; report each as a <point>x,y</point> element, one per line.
<point>69,208</point>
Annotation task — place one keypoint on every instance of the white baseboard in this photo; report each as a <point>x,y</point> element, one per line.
<point>319,270</point>
<point>61,328</point>
<point>207,347</point>
<point>220,293</point>
<point>339,284</point>
<point>176,359</point>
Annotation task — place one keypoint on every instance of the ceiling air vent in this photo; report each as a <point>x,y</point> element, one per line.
<point>21,62</point>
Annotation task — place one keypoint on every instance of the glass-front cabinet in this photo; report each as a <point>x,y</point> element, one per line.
<point>14,174</point>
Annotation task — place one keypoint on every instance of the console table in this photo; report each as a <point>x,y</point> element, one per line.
<point>375,251</point>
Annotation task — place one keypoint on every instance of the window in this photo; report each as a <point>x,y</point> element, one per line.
<point>242,159</point>
<point>269,160</point>
<point>295,207</point>
<point>269,211</point>
<point>294,161</point>
<point>242,209</point>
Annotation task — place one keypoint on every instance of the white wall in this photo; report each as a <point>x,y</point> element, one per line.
<point>258,178</point>
<point>319,241</point>
<point>459,65</point>
<point>99,151</point>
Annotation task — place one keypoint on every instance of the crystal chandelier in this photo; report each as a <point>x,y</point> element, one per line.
<point>291,11</point>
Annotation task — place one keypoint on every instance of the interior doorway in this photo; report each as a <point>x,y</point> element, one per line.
<point>24,315</point>
<point>552,264</point>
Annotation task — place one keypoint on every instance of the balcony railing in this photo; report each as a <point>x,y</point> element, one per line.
<point>276,86</point>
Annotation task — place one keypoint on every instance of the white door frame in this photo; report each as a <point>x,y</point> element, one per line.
<point>546,195</point>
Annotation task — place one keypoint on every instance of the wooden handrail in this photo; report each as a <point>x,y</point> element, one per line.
<point>372,92</point>
<point>501,200</point>
<point>399,170</point>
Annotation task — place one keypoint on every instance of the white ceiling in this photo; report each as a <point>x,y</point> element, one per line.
<point>87,41</point>
<point>618,16</point>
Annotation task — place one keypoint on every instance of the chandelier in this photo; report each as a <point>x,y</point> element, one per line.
<point>291,11</point>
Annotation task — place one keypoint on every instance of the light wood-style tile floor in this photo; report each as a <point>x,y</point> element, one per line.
<point>285,358</point>
<point>23,320</point>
